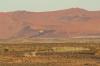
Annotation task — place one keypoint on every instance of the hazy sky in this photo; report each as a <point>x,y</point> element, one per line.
<point>47,5</point>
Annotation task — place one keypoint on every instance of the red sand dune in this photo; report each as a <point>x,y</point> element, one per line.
<point>63,23</point>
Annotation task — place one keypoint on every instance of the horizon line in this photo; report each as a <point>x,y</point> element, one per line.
<point>23,10</point>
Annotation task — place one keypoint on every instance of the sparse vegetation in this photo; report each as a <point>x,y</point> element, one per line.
<point>48,54</point>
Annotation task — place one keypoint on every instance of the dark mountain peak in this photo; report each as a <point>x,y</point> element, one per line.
<point>21,11</point>
<point>77,9</point>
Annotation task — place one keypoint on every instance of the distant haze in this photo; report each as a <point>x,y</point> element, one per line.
<point>48,5</point>
<point>68,23</point>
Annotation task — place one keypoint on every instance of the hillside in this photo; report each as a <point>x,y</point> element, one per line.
<point>68,23</point>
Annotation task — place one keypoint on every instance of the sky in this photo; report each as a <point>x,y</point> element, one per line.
<point>48,5</point>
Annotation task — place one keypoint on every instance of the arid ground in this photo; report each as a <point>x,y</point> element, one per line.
<point>69,53</point>
<point>69,37</point>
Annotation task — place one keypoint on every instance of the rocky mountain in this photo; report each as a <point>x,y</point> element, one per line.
<point>68,23</point>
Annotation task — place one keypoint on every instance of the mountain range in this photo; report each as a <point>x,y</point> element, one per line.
<point>68,23</point>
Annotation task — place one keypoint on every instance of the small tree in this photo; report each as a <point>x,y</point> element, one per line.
<point>6,50</point>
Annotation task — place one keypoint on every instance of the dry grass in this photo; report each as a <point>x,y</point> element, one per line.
<point>51,54</point>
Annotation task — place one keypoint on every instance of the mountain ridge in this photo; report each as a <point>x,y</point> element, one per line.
<point>66,23</point>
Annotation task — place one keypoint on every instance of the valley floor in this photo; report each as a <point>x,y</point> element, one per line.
<point>50,54</point>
